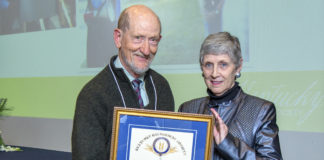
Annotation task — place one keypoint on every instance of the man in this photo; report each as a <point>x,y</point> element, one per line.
<point>136,38</point>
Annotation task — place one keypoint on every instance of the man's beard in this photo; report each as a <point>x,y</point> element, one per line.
<point>132,66</point>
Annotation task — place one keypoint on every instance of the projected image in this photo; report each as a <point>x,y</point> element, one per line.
<point>212,13</point>
<point>19,16</point>
<point>184,26</point>
<point>221,15</point>
<point>101,18</point>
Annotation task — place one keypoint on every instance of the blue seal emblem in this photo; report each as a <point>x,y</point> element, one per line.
<point>161,145</point>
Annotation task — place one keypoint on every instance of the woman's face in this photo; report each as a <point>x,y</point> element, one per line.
<point>219,73</point>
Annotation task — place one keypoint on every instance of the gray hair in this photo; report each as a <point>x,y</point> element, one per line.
<point>221,43</point>
<point>123,21</point>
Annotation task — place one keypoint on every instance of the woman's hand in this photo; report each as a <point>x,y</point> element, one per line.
<point>220,130</point>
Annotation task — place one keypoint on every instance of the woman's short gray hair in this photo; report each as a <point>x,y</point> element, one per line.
<point>221,43</point>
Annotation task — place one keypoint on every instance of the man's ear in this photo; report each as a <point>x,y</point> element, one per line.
<point>117,37</point>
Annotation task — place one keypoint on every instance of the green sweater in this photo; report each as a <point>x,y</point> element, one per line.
<point>93,117</point>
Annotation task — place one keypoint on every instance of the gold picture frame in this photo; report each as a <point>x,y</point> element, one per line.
<point>160,134</point>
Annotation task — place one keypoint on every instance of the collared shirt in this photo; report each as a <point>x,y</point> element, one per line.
<point>144,96</point>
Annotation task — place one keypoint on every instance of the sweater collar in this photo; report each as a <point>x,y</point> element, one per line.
<point>118,64</point>
<point>120,72</point>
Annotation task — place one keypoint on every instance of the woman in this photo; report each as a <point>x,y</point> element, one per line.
<point>245,126</point>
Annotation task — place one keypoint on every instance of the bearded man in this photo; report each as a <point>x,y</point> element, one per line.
<point>126,81</point>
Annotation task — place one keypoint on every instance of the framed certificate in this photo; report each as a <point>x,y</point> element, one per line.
<point>147,134</point>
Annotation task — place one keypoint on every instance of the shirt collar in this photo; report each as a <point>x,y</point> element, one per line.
<point>118,64</point>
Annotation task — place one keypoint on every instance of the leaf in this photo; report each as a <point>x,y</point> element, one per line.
<point>3,106</point>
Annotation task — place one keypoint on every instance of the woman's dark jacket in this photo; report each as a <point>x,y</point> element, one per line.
<point>251,121</point>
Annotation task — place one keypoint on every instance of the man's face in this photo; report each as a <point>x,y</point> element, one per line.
<point>139,44</point>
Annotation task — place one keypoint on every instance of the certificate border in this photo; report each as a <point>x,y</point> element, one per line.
<point>164,129</point>
<point>209,119</point>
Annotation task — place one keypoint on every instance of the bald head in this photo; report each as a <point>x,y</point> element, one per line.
<point>135,12</point>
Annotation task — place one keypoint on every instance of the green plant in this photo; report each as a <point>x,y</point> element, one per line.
<point>3,147</point>
<point>3,106</point>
